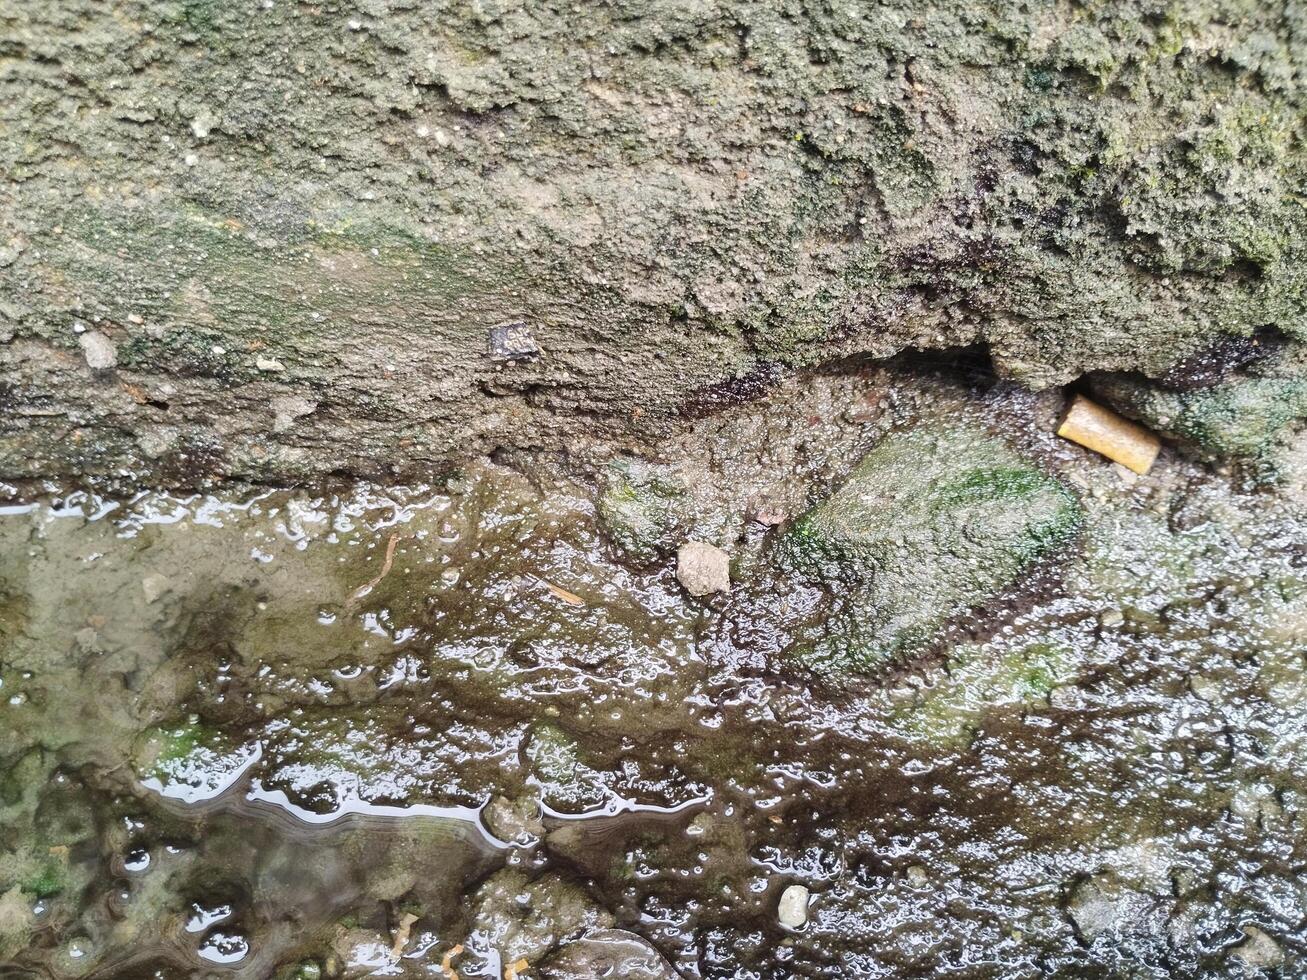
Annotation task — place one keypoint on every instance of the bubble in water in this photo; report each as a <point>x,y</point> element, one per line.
<point>224,947</point>
<point>137,860</point>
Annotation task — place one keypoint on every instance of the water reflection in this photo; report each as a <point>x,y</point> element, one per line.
<point>350,732</point>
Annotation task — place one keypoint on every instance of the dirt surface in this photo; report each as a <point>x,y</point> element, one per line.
<point>365,732</point>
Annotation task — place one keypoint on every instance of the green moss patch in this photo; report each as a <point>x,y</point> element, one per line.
<point>931,522</point>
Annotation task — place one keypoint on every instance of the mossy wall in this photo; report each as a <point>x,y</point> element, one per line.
<point>668,192</point>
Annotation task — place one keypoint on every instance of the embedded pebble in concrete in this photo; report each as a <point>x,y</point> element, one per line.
<point>100,352</point>
<point>273,733</point>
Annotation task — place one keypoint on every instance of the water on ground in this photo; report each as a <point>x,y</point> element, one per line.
<point>450,730</point>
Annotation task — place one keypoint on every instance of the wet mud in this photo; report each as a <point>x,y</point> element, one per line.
<point>476,728</point>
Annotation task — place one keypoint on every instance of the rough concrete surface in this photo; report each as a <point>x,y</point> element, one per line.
<point>668,196</point>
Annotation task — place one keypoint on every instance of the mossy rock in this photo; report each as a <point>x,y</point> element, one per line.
<point>45,825</point>
<point>641,509</point>
<point>1245,416</point>
<point>933,521</point>
<point>189,760</point>
<point>939,505</point>
<point>1134,562</point>
<point>521,918</point>
<point>1165,138</point>
<point>38,867</point>
<point>17,922</point>
<point>565,781</point>
<point>21,782</point>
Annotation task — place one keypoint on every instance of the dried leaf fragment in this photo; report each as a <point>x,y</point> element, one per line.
<point>571,598</point>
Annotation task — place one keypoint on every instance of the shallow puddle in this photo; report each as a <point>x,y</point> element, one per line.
<point>367,731</point>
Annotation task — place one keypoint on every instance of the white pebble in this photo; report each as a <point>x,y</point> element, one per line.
<point>703,569</point>
<point>100,352</point>
<point>793,909</point>
<point>203,123</point>
<point>155,586</point>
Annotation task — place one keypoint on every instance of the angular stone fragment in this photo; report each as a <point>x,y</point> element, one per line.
<point>933,521</point>
<point>155,586</point>
<point>286,409</point>
<point>512,342</point>
<point>100,352</point>
<point>1101,906</point>
<point>1257,952</point>
<point>703,569</point>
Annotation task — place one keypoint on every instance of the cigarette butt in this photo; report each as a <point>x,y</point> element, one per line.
<point>1102,430</point>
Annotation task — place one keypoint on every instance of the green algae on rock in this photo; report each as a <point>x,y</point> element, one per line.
<point>976,683</point>
<point>45,823</point>
<point>189,760</point>
<point>1245,416</point>
<point>933,521</point>
<point>641,508</point>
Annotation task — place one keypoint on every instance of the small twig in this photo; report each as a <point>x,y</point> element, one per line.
<point>445,968</point>
<point>363,590</point>
<point>571,598</point>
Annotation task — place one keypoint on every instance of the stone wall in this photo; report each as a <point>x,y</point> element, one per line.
<point>269,239</point>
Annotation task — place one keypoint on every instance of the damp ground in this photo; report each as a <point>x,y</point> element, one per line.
<point>460,729</point>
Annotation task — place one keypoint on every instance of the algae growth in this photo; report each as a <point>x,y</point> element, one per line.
<point>354,731</point>
<point>672,194</point>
